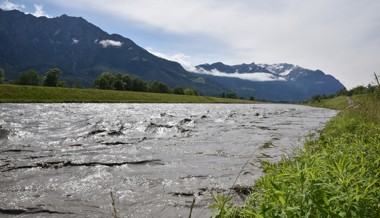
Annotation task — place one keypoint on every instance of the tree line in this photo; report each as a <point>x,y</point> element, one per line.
<point>125,82</point>
<point>358,90</point>
<point>106,80</point>
<point>33,78</point>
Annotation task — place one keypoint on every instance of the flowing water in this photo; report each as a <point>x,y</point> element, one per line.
<point>64,160</point>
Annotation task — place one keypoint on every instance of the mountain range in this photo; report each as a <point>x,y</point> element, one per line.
<point>82,51</point>
<point>276,82</point>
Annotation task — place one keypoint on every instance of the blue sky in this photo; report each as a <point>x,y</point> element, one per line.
<point>339,37</point>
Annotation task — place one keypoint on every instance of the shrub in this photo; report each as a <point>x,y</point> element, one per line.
<point>52,76</point>
<point>31,78</point>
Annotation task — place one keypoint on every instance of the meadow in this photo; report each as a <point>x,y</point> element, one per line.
<point>42,94</point>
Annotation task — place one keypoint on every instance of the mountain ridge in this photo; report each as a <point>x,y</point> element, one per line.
<point>281,78</point>
<point>83,51</point>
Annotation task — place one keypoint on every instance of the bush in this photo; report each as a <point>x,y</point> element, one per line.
<point>178,90</point>
<point>231,95</point>
<point>190,92</point>
<point>30,78</point>
<point>52,76</point>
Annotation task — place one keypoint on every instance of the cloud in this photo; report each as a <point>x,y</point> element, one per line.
<point>181,58</point>
<point>38,9</point>
<point>186,63</point>
<point>108,42</point>
<point>39,12</point>
<point>7,6</point>
<point>246,76</point>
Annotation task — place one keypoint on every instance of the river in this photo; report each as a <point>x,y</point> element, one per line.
<point>65,160</point>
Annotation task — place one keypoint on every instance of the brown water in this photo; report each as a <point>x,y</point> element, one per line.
<point>63,160</point>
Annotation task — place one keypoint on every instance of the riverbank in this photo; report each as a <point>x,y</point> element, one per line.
<point>335,175</point>
<point>40,94</point>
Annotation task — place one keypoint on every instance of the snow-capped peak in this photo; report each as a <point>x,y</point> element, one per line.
<point>281,69</point>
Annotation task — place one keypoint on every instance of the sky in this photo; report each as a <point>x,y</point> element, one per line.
<point>339,37</point>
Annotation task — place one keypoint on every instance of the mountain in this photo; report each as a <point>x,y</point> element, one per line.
<point>82,51</point>
<point>276,82</point>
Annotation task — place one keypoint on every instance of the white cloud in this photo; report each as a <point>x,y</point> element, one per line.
<point>109,42</point>
<point>39,11</point>
<point>7,6</point>
<point>181,58</point>
<point>246,76</point>
<point>186,63</point>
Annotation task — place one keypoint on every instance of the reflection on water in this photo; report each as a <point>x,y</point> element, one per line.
<point>62,160</point>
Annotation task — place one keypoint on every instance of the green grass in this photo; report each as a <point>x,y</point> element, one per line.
<point>32,94</point>
<point>336,174</point>
<point>338,103</point>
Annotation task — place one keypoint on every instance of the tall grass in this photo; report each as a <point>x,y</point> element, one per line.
<point>337,174</point>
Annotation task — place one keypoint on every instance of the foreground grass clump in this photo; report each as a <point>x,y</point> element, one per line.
<point>337,174</point>
<point>30,94</point>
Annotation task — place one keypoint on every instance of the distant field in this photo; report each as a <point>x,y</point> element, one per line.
<point>34,94</point>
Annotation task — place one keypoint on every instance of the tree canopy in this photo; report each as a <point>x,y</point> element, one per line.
<point>158,87</point>
<point>120,81</point>
<point>30,78</point>
<point>126,82</point>
<point>190,92</point>
<point>52,76</point>
<point>1,76</point>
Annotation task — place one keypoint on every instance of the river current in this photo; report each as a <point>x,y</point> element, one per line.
<point>65,160</point>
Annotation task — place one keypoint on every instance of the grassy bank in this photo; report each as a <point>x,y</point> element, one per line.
<point>30,94</point>
<point>337,174</point>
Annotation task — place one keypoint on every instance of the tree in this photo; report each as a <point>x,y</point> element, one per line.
<point>231,95</point>
<point>190,92</point>
<point>178,90</point>
<point>52,77</point>
<point>1,75</point>
<point>158,87</point>
<point>30,78</point>
<point>342,92</point>
<point>118,82</point>
<point>62,84</point>
<point>104,81</point>
<point>127,82</point>
<point>138,85</point>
